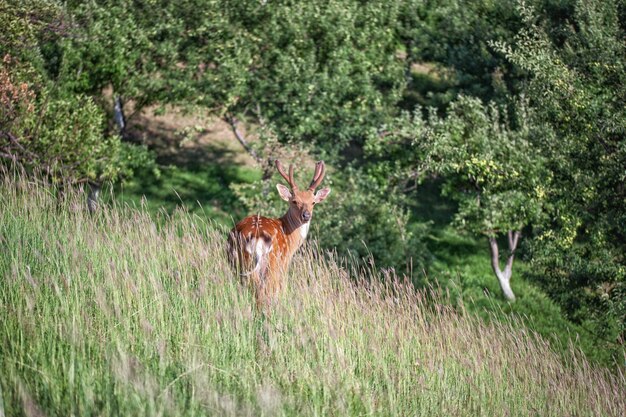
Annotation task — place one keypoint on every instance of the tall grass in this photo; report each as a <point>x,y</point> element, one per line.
<point>115,314</point>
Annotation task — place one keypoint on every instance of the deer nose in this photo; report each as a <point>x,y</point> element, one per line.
<point>306,215</point>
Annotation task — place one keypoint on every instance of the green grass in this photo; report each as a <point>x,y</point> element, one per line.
<point>112,315</point>
<point>202,189</point>
<point>462,265</point>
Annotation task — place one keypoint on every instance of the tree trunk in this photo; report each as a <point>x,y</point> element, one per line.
<point>232,122</point>
<point>92,197</point>
<point>505,285</point>
<point>118,115</point>
<point>504,277</point>
<point>266,164</point>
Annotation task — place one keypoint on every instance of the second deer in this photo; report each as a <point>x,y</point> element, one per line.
<point>261,248</point>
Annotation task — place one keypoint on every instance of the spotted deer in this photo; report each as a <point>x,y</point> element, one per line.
<point>261,248</point>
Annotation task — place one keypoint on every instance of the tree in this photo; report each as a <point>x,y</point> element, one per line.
<point>126,46</point>
<point>44,128</point>
<point>320,73</point>
<point>454,35</point>
<point>487,163</point>
<point>316,73</point>
<point>578,88</point>
<point>454,38</point>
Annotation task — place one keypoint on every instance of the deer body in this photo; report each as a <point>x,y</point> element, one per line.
<point>261,248</point>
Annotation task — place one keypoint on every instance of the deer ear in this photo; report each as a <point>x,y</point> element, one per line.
<point>284,192</point>
<point>321,195</point>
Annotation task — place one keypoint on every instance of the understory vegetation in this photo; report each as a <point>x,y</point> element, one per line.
<point>117,314</point>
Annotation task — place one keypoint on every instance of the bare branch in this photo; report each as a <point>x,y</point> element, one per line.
<point>513,238</point>
<point>233,125</point>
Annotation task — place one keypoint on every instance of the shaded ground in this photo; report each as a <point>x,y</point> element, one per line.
<point>184,139</point>
<point>198,160</point>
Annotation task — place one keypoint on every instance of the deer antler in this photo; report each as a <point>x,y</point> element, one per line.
<point>318,176</point>
<point>289,178</point>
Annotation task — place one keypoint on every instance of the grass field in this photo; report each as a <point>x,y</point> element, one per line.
<point>116,314</point>
<point>200,166</point>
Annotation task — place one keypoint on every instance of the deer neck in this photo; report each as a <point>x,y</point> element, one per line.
<point>295,229</point>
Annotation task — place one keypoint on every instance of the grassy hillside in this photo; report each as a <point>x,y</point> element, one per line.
<point>461,263</point>
<point>114,315</point>
<point>198,173</point>
<point>463,266</point>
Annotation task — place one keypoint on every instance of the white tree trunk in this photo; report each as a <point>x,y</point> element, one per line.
<point>504,277</point>
<point>505,285</point>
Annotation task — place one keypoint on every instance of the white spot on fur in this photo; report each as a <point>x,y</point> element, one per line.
<point>259,249</point>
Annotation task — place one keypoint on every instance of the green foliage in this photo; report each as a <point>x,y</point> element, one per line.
<point>364,220</point>
<point>491,169</point>
<point>457,37</point>
<point>45,128</point>
<point>26,23</point>
<point>360,219</point>
<point>578,89</point>
<point>315,72</point>
<point>454,34</point>
<point>319,73</point>
<point>61,137</point>
<point>121,44</point>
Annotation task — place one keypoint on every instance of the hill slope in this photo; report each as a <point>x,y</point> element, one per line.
<point>118,315</point>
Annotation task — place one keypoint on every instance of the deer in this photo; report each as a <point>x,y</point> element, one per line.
<point>261,248</point>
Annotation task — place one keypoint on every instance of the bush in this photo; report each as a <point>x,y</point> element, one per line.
<point>59,137</point>
<point>45,127</point>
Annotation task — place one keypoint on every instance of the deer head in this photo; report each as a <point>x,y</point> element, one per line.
<point>301,202</point>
